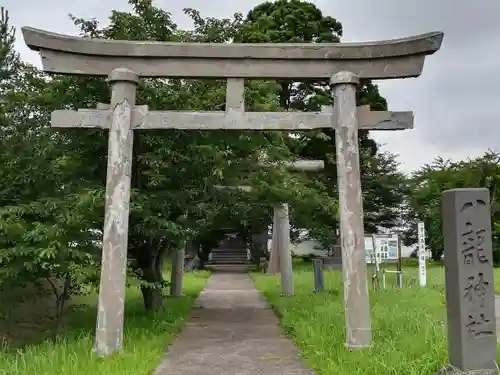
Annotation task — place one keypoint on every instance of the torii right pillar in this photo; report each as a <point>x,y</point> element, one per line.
<point>356,301</point>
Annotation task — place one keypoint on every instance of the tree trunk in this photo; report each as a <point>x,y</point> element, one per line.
<point>152,294</point>
<point>258,248</point>
<point>191,248</point>
<point>203,253</point>
<point>153,298</point>
<point>436,254</point>
<point>60,288</point>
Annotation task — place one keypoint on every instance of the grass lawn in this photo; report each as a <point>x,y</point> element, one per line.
<point>146,337</point>
<point>409,333</point>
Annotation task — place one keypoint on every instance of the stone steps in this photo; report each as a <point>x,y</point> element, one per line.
<point>228,263</point>
<point>228,268</point>
<point>230,259</point>
<point>229,256</point>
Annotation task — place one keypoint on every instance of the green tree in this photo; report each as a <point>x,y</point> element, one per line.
<point>296,21</point>
<point>427,185</point>
<point>42,230</point>
<point>173,172</point>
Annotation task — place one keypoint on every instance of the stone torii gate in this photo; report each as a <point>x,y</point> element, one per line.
<point>124,62</point>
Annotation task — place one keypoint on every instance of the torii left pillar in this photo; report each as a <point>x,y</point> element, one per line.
<point>109,332</point>
<point>281,225</point>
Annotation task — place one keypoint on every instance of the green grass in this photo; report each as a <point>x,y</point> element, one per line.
<point>409,333</point>
<point>145,338</point>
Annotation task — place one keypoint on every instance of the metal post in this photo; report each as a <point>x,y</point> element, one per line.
<point>319,282</point>
<point>399,280</point>
<point>375,252</point>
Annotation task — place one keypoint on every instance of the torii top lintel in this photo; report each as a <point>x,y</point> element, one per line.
<point>397,58</point>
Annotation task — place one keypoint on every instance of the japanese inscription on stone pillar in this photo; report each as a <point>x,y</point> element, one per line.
<point>469,279</point>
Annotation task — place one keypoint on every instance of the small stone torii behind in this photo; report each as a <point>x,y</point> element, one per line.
<point>281,222</point>
<point>124,62</point>
<point>281,254</point>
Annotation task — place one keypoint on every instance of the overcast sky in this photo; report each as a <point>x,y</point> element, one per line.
<point>456,102</point>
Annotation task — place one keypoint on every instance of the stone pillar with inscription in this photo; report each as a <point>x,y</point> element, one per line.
<point>472,344</point>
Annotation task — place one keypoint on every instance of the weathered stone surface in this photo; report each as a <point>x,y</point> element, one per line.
<point>273,266</point>
<point>232,119</point>
<point>109,332</point>
<point>497,313</point>
<point>298,165</point>
<point>177,272</point>
<point>396,58</point>
<point>235,95</point>
<point>450,370</point>
<point>472,344</point>
<point>284,249</point>
<point>357,305</point>
<point>428,43</point>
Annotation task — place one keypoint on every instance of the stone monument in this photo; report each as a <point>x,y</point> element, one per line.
<point>124,62</point>
<point>470,293</point>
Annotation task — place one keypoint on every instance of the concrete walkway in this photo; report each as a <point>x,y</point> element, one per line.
<point>232,331</point>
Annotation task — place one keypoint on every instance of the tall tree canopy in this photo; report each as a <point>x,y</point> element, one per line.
<point>296,21</point>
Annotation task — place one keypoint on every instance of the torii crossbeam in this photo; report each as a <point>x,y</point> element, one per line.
<point>387,59</point>
<point>291,121</point>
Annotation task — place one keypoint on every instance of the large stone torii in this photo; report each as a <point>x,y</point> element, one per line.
<point>124,62</point>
